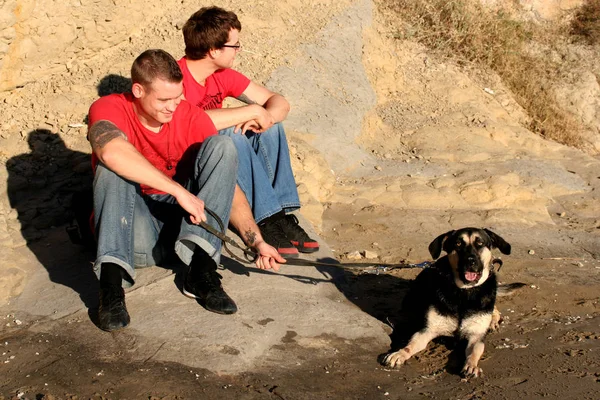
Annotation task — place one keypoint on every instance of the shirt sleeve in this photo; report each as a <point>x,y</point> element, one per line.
<point>201,126</point>
<point>235,82</point>
<point>108,108</point>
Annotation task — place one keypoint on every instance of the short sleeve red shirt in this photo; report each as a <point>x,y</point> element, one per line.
<point>171,149</point>
<point>218,86</point>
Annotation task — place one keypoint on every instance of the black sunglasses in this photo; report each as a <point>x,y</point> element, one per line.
<point>233,46</point>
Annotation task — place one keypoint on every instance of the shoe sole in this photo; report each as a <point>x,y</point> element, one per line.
<point>193,296</point>
<point>189,294</point>
<point>306,249</point>
<point>289,255</point>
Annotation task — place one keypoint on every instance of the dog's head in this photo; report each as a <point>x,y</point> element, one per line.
<point>469,253</point>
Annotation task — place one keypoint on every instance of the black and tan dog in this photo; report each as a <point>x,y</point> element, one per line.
<point>455,296</point>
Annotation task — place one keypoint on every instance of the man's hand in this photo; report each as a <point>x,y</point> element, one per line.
<point>268,257</point>
<point>263,118</point>
<point>192,205</point>
<point>251,125</point>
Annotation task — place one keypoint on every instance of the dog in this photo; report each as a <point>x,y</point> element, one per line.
<point>455,296</point>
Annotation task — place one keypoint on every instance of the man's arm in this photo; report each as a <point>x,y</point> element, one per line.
<point>243,221</point>
<point>274,103</point>
<point>264,108</point>
<point>113,150</point>
<point>226,117</point>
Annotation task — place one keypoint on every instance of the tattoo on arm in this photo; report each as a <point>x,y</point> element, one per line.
<point>246,99</point>
<point>250,237</point>
<point>103,132</point>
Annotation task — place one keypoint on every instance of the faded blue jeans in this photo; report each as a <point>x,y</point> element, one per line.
<point>265,171</point>
<point>136,230</point>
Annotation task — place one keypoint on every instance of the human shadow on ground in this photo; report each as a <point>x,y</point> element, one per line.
<point>41,184</point>
<point>113,83</point>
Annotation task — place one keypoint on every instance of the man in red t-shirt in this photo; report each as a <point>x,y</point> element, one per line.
<point>265,173</point>
<point>158,161</point>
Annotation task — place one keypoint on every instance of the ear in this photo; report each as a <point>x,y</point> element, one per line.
<point>214,53</point>
<point>137,89</point>
<point>498,242</point>
<point>435,247</point>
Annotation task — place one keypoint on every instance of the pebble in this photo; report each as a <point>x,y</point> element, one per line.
<point>354,255</point>
<point>531,252</point>
<point>369,254</point>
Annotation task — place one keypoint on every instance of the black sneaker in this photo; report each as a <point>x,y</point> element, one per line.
<point>204,284</point>
<point>297,236</point>
<point>112,313</point>
<point>273,235</point>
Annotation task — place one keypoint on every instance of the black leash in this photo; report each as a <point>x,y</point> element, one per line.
<point>251,254</point>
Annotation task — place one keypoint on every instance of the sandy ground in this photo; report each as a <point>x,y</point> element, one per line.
<point>391,147</point>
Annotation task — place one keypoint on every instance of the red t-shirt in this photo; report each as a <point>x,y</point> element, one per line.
<point>165,149</point>
<point>218,86</point>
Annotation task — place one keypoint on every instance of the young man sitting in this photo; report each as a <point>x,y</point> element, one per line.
<point>265,174</point>
<point>158,161</point>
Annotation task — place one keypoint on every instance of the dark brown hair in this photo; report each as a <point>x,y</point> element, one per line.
<point>208,28</point>
<point>155,64</point>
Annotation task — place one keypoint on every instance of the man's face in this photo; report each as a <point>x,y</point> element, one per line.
<point>227,54</point>
<point>158,100</point>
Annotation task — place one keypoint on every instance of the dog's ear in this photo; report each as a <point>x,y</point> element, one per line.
<point>435,247</point>
<point>498,242</point>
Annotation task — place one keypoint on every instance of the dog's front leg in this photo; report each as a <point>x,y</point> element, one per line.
<point>474,353</point>
<point>474,329</point>
<point>496,318</point>
<point>418,342</point>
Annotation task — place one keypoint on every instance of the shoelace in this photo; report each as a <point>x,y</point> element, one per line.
<point>115,298</point>
<point>212,278</point>
<point>290,223</point>
<point>272,233</point>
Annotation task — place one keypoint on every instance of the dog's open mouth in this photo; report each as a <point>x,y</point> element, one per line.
<point>472,276</point>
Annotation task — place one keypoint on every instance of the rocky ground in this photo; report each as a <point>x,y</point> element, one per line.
<point>391,147</point>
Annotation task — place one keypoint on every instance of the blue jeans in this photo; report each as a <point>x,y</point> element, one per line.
<point>265,171</point>
<point>136,230</point>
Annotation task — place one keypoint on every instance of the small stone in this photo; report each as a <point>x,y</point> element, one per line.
<point>369,254</point>
<point>531,252</point>
<point>378,168</point>
<point>562,214</point>
<point>354,255</point>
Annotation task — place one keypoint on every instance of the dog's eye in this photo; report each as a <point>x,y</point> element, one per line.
<point>478,243</point>
<point>459,243</point>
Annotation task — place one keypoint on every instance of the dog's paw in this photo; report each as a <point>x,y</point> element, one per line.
<point>471,371</point>
<point>396,358</point>
<point>495,325</point>
<point>496,320</point>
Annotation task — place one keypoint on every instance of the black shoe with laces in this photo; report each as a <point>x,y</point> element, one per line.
<point>112,313</point>
<point>297,236</point>
<point>271,231</point>
<point>203,282</point>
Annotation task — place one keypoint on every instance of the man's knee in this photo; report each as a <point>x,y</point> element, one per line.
<point>221,146</point>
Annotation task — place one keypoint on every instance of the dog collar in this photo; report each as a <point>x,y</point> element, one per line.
<point>497,261</point>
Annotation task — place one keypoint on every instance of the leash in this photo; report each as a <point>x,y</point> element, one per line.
<point>251,255</point>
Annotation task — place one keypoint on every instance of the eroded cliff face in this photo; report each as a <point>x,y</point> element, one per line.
<point>42,37</point>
